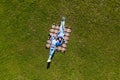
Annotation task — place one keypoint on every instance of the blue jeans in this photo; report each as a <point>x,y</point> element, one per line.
<point>52,51</point>
<point>61,32</point>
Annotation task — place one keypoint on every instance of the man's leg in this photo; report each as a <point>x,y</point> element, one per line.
<point>61,31</point>
<point>52,50</point>
<point>62,26</point>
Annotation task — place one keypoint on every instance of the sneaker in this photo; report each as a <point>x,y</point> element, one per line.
<point>49,60</point>
<point>63,18</point>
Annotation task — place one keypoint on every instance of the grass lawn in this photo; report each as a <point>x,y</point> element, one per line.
<point>93,52</point>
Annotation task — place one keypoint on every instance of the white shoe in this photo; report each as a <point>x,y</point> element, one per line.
<point>49,60</point>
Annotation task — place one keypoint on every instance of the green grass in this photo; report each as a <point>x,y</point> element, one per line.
<point>93,52</point>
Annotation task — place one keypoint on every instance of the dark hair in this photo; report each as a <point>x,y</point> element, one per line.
<point>49,36</point>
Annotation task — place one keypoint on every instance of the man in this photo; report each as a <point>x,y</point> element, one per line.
<point>55,42</point>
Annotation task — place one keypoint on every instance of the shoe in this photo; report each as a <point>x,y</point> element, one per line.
<point>63,18</point>
<point>49,60</point>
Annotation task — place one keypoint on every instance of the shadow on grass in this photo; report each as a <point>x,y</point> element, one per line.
<point>48,65</point>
